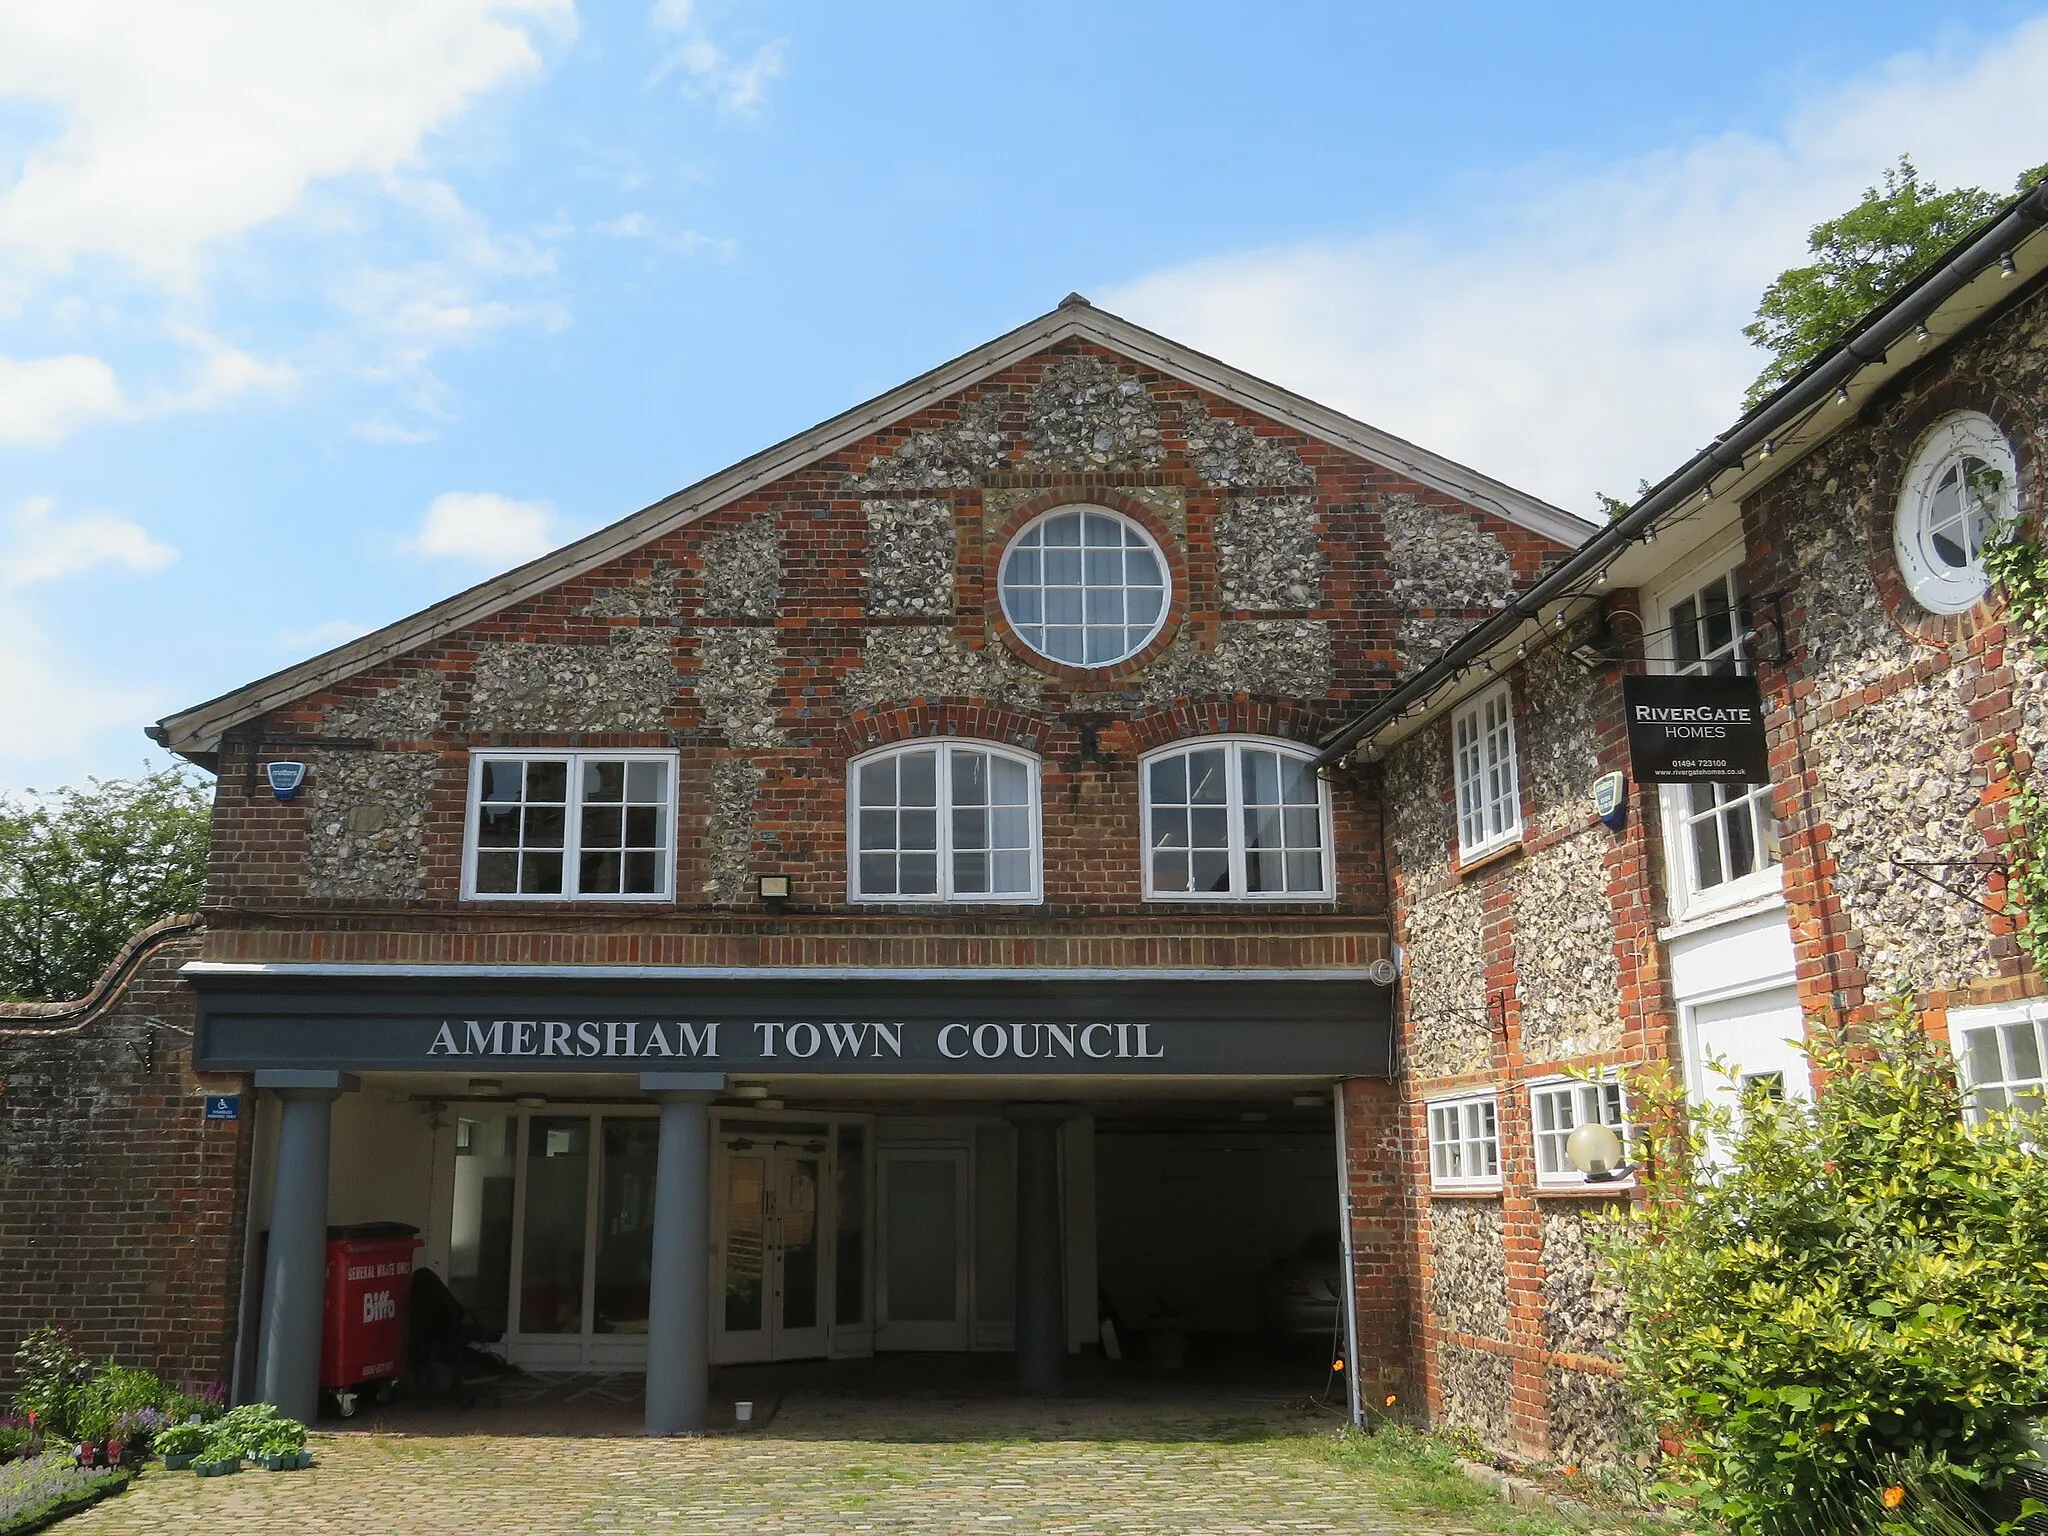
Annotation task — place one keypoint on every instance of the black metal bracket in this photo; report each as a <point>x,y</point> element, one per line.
<point>1775,601</point>
<point>1940,872</point>
<point>1494,1015</point>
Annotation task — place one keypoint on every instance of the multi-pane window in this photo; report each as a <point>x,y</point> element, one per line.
<point>571,825</point>
<point>2002,1061</point>
<point>1559,1108</point>
<point>1464,1141</point>
<point>945,822</point>
<point>1489,789</point>
<point>1235,819</point>
<point>1726,831</point>
<point>1085,586</point>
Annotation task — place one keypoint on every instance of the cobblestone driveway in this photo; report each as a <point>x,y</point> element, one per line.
<point>820,1465</point>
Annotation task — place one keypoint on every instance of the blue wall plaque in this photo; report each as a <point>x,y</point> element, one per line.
<point>223,1106</point>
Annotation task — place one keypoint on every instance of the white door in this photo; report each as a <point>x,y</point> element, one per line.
<point>1754,1037</point>
<point>923,1291</point>
<point>770,1285</point>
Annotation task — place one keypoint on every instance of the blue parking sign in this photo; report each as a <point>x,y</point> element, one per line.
<point>223,1106</point>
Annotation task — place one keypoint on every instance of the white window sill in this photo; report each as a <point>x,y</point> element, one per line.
<point>1581,1188</point>
<point>1699,918</point>
<point>487,898</point>
<point>1481,1190</point>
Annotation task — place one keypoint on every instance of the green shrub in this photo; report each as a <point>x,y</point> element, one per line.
<point>115,1396</point>
<point>1846,1285</point>
<point>205,1401</point>
<point>51,1377</point>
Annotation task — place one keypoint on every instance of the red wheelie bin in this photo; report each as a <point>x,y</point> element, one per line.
<point>369,1284</point>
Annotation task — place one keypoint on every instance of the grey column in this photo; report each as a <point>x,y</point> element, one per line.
<point>295,1273</point>
<point>679,1288</point>
<point>1041,1328</point>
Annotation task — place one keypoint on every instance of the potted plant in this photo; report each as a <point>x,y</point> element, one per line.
<point>135,1432</point>
<point>93,1424</point>
<point>282,1447</point>
<point>247,1432</point>
<point>180,1443</point>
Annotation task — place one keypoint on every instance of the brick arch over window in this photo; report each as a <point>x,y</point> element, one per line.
<point>938,719</point>
<point>1281,719</point>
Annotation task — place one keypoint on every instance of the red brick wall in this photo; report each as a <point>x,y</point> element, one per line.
<point>121,1209</point>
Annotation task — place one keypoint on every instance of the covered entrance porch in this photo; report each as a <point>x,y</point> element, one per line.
<point>800,1207</point>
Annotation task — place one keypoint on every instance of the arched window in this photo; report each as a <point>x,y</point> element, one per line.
<point>943,821</point>
<point>1960,489</point>
<point>1229,819</point>
<point>1085,586</point>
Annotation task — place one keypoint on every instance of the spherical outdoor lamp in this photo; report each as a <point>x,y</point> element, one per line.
<point>1596,1151</point>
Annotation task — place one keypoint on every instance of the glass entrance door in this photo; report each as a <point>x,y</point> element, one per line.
<point>924,1278</point>
<point>581,1259</point>
<point>551,1234</point>
<point>768,1297</point>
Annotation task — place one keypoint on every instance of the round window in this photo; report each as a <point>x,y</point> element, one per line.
<point>1958,492</point>
<point>1085,586</point>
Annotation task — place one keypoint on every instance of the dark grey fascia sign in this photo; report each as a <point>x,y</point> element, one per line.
<point>1691,729</point>
<point>791,1023</point>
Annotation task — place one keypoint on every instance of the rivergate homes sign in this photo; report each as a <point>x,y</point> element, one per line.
<point>1684,730</point>
<point>621,1020</point>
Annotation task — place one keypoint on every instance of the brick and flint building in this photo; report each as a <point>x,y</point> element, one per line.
<point>1055,844</point>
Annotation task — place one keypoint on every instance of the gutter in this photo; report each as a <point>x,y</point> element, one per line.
<point>1832,370</point>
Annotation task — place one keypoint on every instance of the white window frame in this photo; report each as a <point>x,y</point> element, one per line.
<point>1575,1094</point>
<point>1935,585</point>
<point>2000,1017</point>
<point>945,747</point>
<point>1487,739</point>
<point>1690,901</point>
<point>1234,815</point>
<point>1472,1112</point>
<point>1085,509</point>
<point>572,832</point>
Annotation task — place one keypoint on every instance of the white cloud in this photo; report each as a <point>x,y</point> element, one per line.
<point>315,638</point>
<point>385,432</point>
<point>61,717</point>
<point>178,132</point>
<point>42,547</point>
<point>486,529</point>
<point>185,125</point>
<point>737,85</point>
<point>43,398</point>
<point>685,242</point>
<point>1583,331</point>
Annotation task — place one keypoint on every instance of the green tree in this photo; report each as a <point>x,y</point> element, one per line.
<point>82,869</point>
<point>1860,259</point>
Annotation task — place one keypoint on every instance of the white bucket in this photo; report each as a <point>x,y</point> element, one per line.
<point>743,1413</point>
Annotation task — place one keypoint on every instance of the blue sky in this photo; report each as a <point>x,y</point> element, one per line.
<point>312,314</point>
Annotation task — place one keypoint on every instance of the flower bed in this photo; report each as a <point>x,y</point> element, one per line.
<point>41,1489</point>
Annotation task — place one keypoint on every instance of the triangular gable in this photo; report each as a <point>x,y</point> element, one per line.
<point>197,731</point>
